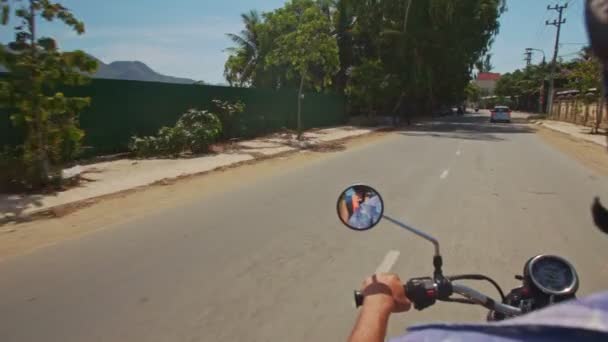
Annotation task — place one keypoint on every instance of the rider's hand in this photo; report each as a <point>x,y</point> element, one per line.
<point>385,292</point>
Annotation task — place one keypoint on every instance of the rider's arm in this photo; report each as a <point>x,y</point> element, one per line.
<point>384,294</point>
<point>371,324</point>
<point>343,211</point>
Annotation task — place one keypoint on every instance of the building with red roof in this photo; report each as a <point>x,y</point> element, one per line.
<point>487,81</point>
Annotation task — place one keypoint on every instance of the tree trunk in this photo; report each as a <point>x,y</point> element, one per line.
<point>299,123</point>
<point>397,107</point>
<point>39,131</point>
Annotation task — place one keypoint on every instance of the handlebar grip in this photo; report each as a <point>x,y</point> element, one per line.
<point>359,297</point>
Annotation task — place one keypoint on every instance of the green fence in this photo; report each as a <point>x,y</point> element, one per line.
<point>121,109</point>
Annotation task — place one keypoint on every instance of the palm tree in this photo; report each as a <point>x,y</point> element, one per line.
<point>247,47</point>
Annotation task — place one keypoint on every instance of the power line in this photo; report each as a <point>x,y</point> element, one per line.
<point>539,32</point>
<point>570,54</point>
<point>569,1</point>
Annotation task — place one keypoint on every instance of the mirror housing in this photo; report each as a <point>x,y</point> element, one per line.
<point>360,207</point>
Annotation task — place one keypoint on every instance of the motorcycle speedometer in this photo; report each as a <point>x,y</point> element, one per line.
<point>552,275</point>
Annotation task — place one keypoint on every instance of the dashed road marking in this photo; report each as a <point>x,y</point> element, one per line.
<point>389,261</point>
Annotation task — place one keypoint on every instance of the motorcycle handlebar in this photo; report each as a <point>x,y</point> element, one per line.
<point>465,291</point>
<point>485,301</point>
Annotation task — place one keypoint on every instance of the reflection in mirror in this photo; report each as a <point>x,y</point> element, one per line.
<point>360,207</point>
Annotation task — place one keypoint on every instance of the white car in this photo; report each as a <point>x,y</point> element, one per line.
<point>500,114</point>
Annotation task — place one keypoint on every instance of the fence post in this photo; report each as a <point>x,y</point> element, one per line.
<point>599,114</point>
<point>572,112</point>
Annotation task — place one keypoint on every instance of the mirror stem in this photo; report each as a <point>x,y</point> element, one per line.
<point>422,235</point>
<point>437,263</point>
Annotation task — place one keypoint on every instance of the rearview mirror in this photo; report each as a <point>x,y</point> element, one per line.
<point>360,207</point>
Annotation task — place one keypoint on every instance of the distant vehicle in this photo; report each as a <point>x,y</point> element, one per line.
<point>500,114</point>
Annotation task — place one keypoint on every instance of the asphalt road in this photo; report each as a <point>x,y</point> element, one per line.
<point>268,260</point>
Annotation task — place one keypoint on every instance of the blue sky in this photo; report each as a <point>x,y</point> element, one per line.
<point>523,26</point>
<point>187,37</point>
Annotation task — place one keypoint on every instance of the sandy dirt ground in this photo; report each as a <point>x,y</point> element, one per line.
<point>590,154</point>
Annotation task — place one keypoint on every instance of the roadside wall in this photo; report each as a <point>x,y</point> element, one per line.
<point>121,109</point>
<point>588,112</point>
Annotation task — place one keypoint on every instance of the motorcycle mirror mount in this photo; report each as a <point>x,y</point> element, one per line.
<point>437,259</point>
<point>360,207</point>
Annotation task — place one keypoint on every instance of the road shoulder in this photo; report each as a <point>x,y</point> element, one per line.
<point>590,154</point>
<point>109,178</point>
<point>17,238</point>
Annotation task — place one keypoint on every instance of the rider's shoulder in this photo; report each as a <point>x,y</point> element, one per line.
<point>584,319</point>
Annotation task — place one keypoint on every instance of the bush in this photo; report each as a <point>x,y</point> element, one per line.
<point>201,129</point>
<point>226,112</point>
<point>143,147</point>
<point>194,131</point>
<point>171,140</point>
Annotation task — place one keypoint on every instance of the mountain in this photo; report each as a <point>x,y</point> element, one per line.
<point>135,70</point>
<point>129,70</point>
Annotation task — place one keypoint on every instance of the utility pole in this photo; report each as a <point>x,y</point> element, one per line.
<point>528,57</point>
<point>542,86</point>
<point>557,23</point>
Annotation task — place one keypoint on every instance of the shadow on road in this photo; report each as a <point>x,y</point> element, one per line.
<point>468,127</point>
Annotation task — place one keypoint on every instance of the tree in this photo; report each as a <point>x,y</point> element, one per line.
<point>36,69</point>
<point>367,85</point>
<point>424,50</point>
<point>241,64</point>
<point>473,92</point>
<point>484,64</point>
<point>524,85</point>
<point>585,76</point>
<point>344,19</point>
<point>305,47</point>
<point>433,58</point>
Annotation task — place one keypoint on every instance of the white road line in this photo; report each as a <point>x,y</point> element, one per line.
<point>445,174</point>
<point>389,261</point>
